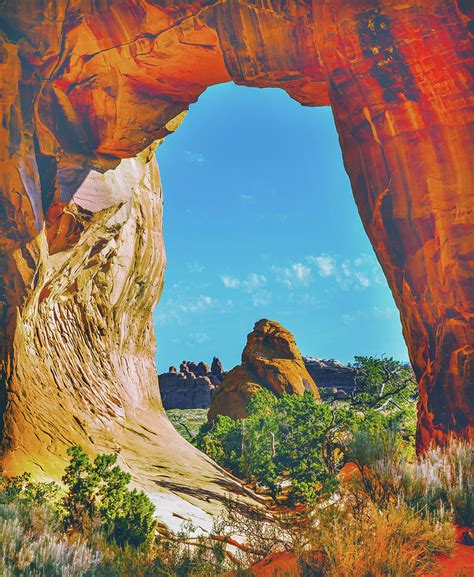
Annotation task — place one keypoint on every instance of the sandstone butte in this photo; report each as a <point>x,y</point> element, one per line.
<point>270,360</point>
<point>87,88</point>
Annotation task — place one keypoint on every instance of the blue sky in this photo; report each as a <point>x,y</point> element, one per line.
<point>259,221</point>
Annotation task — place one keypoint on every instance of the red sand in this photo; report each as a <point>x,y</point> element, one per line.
<point>462,559</point>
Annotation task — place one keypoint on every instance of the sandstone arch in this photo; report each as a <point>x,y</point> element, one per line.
<point>87,87</point>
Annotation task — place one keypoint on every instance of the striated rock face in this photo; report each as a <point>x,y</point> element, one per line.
<point>83,369</point>
<point>331,373</point>
<point>270,360</point>
<point>193,387</point>
<point>87,87</point>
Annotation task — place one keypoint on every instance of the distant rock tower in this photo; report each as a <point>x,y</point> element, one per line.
<point>270,360</point>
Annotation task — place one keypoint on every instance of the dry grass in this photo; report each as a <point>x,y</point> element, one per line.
<point>394,542</point>
<point>437,484</point>
<point>32,546</point>
<point>443,477</point>
<point>392,521</point>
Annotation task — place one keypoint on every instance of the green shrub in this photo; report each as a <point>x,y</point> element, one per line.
<point>187,421</point>
<point>382,381</point>
<point>22,489</point>
<point>98,496</point>
<point>97,527</point>
<point>299,441</point>
<point>386,396</point>
<point>280,440</point>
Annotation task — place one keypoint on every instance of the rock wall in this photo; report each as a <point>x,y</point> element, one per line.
<point>192,387</point>
<point>331,373</point>
<point>87,86</point>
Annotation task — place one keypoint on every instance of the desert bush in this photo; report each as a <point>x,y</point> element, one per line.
<point>187,421</point>
<point>444,477</point>
<point>394,541</point>
<point>22,489</point>
<point>438,484</point>
<point>280,441</point>
<point>203,557</point>
<point>382,382</point>
<point>32,544</point>
<point>299,441</point>
<point>95,527</point>
<point>98,496</point>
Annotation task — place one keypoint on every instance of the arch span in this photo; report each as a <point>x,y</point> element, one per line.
<point>87,87</point>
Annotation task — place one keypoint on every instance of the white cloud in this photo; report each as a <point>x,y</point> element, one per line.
<point>359,273</point>
<point>346,269</point>
<point>249,284</point>
<point>384,312</point>
<point>196,304</point>
<point>253,282</point>
<point>253,285</point>
<point>325,263</point>
<point>362,279</point>
<point>246,197</point>
<point>198,338</point>
<point>262,298</point>
<point>194,267</point>
<point>173,310</point>
<point>301,272</point>
<point>230,281</point>
<point>297,274</point>
<point>195,157</point>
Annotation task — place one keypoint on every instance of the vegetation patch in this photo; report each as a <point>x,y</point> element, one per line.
<point>296,445</point>
<point>187,421</point>
<point>349,496</point>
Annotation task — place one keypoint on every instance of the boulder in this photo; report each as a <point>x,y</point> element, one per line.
<point>202,369</point>
<point>270,360</point>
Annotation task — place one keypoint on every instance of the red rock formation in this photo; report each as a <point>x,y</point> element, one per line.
<point>86,84</point>
<point>193,387</point>
<point>270,360</point>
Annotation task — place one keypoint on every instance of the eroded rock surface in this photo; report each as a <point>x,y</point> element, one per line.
<point>87,86</point>
<point>270,360</point>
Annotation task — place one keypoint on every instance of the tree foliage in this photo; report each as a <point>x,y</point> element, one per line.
<point>98,496</point>
<point>299,442</point>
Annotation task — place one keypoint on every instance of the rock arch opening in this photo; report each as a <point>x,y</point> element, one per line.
<point>264,225</point>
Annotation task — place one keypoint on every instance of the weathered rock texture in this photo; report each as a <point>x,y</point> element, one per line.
<point>270,360</point>
<point>87,86</point>
<point>192,387</point>
<point>331,373</point>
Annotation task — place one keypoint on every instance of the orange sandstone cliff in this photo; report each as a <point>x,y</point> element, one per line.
<point>87,87</point>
